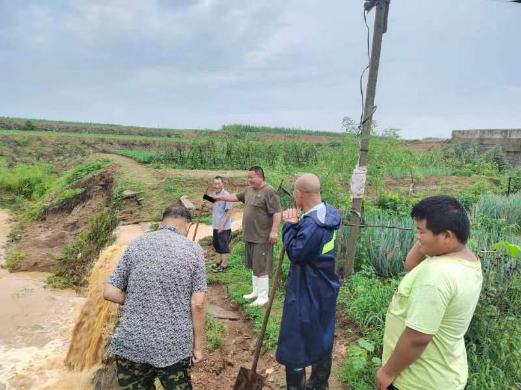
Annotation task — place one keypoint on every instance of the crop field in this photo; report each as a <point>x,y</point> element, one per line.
<point>34,184</point>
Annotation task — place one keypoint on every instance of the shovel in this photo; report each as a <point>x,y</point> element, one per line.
<point>249,379</point>
<point>201,213</point>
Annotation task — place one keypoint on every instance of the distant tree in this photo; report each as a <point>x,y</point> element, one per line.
<point>390,133</point>
<point>349,126</point>
<point>29,126</point>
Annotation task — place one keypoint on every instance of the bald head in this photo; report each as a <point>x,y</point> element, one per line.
<point>308,184</point>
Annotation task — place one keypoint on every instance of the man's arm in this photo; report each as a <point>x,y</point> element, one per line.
<point>115,288</point>
<point>198,305</point>
<point>226,219</point>
<point>274,234</point>
<point>113,294</point>
<point>410,347</point>
<point>300,239</point>
<point>227,198</point>
<point>414,257</point>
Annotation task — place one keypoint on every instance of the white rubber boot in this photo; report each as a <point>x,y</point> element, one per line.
<point>263,286</point>
<point>255,292</point>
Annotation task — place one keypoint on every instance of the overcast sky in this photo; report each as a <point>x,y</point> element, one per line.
<point>446,64</point>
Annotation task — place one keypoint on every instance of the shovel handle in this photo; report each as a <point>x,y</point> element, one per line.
<point>268,310</point>
<point>198,220</point>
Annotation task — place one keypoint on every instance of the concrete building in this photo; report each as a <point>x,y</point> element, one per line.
<point>508,139</point>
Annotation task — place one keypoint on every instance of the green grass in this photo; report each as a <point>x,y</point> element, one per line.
<point>238,128</point>
<point>13,259</point>
<point>231,153</point>
<point>85,169</point>
<point>141,156</point>
<point>418,172</point>
<point>500,207</point>
<point>214,334</point>
<point>385,249</point>
<point>66,195</point>
<point>365,298</point>
<point>30,182</point>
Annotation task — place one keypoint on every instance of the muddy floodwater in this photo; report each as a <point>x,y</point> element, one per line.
<point>37,323</point>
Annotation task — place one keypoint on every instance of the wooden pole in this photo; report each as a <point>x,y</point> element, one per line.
<point>200,215</point>
<point>380,26</point>
<point>198,221</point>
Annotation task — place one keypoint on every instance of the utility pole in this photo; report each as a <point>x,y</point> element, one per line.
<point>380,28</point>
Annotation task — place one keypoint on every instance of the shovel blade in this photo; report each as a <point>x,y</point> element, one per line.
<point>249,380</point>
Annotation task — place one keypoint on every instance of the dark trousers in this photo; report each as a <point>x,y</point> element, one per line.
<point>319,379</point>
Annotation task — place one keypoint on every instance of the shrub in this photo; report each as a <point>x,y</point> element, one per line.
<point>515,183</point>
<point>496,156</point>
<point>27,181</point>
<point>13,259</point>
<point>395,204</point>
<point>29,126</point>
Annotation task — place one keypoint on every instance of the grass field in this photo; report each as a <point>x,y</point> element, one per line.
<point>31,180</point>
<point>83,135</point>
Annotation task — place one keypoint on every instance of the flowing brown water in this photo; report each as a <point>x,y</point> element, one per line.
<point>41,346</point>
<point>35,324</point>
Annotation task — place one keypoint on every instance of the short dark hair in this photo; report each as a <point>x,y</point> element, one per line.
<point>442,213</point>
<point>219,178</point>
<point>258,171</point>
<point>177,211</point>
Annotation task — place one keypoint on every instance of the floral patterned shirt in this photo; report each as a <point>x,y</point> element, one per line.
<point>159,272</point>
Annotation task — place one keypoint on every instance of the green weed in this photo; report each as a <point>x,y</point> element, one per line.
<point>214,333</point>
<point>13,259</point>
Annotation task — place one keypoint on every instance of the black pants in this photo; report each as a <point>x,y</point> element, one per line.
<point>319,379</point>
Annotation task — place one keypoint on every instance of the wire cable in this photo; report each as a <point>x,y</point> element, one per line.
<point>363,117</point>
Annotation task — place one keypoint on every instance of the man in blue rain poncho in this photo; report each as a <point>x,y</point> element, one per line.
<point>308,321</point>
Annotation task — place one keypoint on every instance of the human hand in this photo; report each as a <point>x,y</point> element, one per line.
<point>198,355</point>
<point>274,237</point>
<point>383,380</point>
<point>221,228</point>
<point>290,215</point>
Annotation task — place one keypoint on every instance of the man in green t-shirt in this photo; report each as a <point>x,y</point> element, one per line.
<point>430,313</point>
<point>260,225</point>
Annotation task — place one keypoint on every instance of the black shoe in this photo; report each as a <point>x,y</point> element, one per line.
<point>216,265</point>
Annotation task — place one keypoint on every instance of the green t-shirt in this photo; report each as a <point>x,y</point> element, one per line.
<point>259,207</point>
<point>438,297</point>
